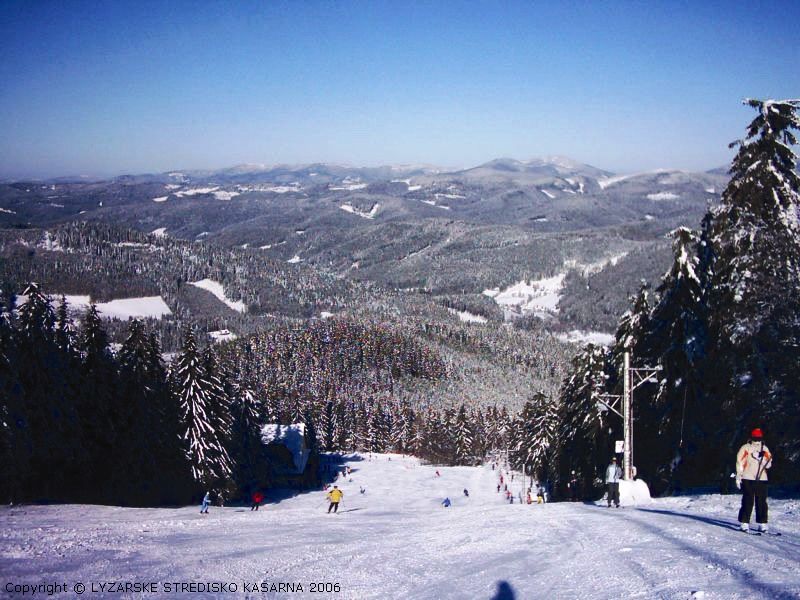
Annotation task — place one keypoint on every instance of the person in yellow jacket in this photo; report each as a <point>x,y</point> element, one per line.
<point>335,496</point>
<point>752,462</point>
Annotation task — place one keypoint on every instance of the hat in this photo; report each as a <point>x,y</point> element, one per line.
<point>613,459</point>
<point>756,434</point>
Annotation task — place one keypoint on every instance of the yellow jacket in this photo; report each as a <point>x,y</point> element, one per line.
<point>335,495</point>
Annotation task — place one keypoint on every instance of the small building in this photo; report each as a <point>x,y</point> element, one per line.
<point>292,463</point>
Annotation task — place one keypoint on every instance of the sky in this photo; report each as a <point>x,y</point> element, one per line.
<point>106,88</point>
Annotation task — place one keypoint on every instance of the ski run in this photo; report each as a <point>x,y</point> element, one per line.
<point>396,540</point>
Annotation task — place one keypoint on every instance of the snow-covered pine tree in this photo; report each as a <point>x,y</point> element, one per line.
<point>539,448</point>
<point>209,462</point>
<point>583,433</point>
<point>756,285</point>
<point>462,438</point>
<point>677,339</point>
<point>66,336</point>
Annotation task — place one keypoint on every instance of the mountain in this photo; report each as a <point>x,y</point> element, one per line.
<point>408,227</point>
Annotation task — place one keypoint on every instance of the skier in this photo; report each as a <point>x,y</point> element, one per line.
<point>362,489</point>
<point>335,496</point>
<point>206,502</point>
<point>529,498</point>
<point>613,475</point>
<point>540,496</point>
<point>498,488</point>
<point>466,492</point>
<point>752,462</point>
<point>257,498</point>
<point>438,474</point>
<point>446,502</point>
<point>572,486</point>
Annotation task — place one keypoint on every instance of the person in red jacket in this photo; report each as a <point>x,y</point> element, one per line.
<point>258,497</point>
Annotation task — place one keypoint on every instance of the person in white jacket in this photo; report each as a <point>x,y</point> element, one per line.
<point>613,475</point>
<point>752,462</point>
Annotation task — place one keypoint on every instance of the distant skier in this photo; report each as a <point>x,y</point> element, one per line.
<point>529,497</point>
<point>498,488</point>
<point>206,502</point>
<point>540,495</point>
<point>572,487</point>
<point>752,462</point>
<point>335,496</point>
<point>362,489</point>
<point>258,497</point>
<point>438,474</point>
<point>446,502</point>
<point>613,475</point>
<point>466,492</point>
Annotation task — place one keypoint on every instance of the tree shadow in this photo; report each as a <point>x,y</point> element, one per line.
<point>709,520</point>
<point>746,578</point>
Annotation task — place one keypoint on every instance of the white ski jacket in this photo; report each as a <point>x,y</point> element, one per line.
<point>751,463</point>
<point>613,473</point>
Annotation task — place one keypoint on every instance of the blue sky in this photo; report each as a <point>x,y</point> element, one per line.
<point>104,88</point>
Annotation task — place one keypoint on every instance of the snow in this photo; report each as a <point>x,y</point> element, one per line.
<point>282,189</point>
<point>7,211</point>
<point>548,194</point>
<point>295,259</point>
<point>160,232</point>
<point>663,196</point>
<point>534,296</point>
<point>609,181</point>
<point>710,190</point>
<point>466,316</point>
<point>577,336</point>
<point>222,335</point>
<point>396,541</point>
<point>126,308</point>
<point>122,308</point>
<point>219,292</point>
<point>160,199</point>
<point>197,191</point>
<point>347,207</point>
<point>222,195</point>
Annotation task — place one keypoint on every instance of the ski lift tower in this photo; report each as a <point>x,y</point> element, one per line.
<point>632,378</point>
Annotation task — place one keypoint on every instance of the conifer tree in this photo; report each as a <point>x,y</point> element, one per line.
<point>463,441</point>
<point>203,435</point>
<point>756,283</point>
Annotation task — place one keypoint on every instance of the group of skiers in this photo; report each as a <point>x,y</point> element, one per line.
<point>752,462</point>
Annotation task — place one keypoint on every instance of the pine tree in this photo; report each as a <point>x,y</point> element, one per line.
<point>203,434</point>
<point>103,414</point>
<point>42,406</point>
<point>583,433</point>
<point>463,441</point>
<point>677,340</point>
<point>756,283</point>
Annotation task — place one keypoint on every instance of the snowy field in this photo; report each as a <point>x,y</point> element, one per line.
<point>397,541</point>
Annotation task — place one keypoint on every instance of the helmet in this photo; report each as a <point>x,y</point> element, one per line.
<point>756,434</point>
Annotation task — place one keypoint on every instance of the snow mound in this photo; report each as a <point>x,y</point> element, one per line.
<point>634,493</point>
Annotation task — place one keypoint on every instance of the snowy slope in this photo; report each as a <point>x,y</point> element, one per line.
<point>396,541</point>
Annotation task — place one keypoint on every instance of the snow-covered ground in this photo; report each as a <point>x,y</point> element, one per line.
<point>122,308</point>
<point>576,336</point>
<point>466,316</point>
<point>539,296</point>
<point>218,290</point>
<point>397,541</point>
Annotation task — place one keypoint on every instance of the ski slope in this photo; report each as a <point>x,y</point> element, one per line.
<point>397,541</point>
